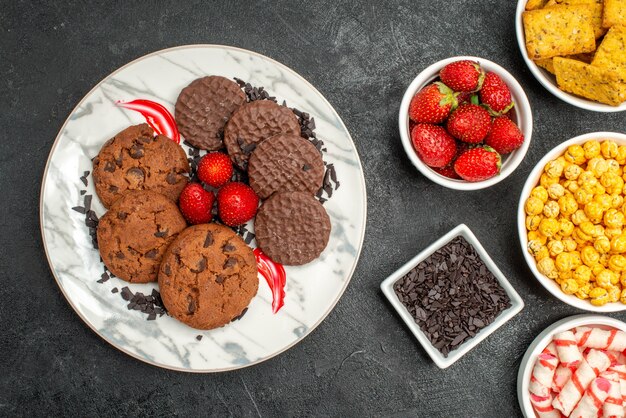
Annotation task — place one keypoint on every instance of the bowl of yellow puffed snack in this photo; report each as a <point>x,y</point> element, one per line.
<point>572,221</point>
<point>576,49</point>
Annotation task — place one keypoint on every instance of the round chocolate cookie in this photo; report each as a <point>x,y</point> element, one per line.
<point>285,163</point>
<point>254,122</point>
<point>135,232</point>
<point>137,160</point>
<point>204,107</point>
<point>208,276</point>
<point>292,228</point>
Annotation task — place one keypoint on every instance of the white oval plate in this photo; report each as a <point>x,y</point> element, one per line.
<point>311,291</point>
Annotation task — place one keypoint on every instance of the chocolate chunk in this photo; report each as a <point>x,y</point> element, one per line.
<point>192,305</point>
<point>87,202</point>
<point>103,277</point>
<point>80,209</point>
<point>238,317</point>
<point>160,234</point>
<point>84,180</point>
<point>201,266</point>
<point>136,151</point>
<point>120,255</point>
<point>171,178</point>
<point>122,215</point>
<point>306,167</point>
<point>230,262</point>
<point>228,247</point>
<point>219,279</point>
<point>109,166</point>
<point>114,290</point>
<point>167,270</point>
<point>152,254</point>
<point>126,293</point>
<point>208,240</point>
<point>113,189</point>
<point>82,192</point>
<point>199,337</point>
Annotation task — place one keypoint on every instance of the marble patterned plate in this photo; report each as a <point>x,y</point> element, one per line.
<point>311,291</point>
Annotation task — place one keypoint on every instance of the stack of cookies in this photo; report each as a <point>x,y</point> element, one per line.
<point>264,140</point>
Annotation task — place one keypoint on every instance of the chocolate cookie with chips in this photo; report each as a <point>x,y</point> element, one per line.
<point>253,123</point>
<point>204,107</point>
<point>135,232</point>
<point>292,228</point>
<point>208,276</point>
<point>285,163</point>
<point>135,159</point>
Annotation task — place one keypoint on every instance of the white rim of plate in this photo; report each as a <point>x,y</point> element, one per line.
<point>361,238</point>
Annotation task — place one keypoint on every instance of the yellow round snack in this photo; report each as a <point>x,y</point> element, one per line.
<point>575,220</point>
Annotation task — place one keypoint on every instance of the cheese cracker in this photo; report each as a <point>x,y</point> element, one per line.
<point>591,82</point>
<point>558,31</point>
<point>614,13</point>
<point>611,53</point>
<point>597,12</point>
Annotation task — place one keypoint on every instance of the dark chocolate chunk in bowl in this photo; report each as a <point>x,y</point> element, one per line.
<point>452,296</point>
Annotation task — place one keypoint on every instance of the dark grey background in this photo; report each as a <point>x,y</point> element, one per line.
<point>362,360</point>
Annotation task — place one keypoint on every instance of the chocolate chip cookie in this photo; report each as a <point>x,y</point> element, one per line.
<point>292,228</point>
<point>204,107</point>
<point>208,276</point>
<point>254,122</point>
<point>285,163</point>
<point>135,232</point>
<point>137,160</point>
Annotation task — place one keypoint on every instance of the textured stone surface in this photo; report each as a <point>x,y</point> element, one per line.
<point>361,360</point>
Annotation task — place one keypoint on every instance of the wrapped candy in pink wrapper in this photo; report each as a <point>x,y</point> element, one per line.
<point>590,367</point>
<point>594,398</point>
<point>551,349</point>
<point>567,348</point>
<point>620,370</point>
<point>613,405</point>
<point>543,374</point>
<point>614,340</point>
<point>543,406</point>
<point>561,377</point>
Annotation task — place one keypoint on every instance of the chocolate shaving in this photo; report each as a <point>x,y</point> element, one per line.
<point>452,295</point>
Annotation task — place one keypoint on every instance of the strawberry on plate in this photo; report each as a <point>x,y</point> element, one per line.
<point>504,136</point>
<point>478,164</point>
<point>432,104</point>
<point>495,95</point>
<point>434,146</point>
<point>195,204</point>
<point>469,123</point>
<point>215,169</point>
<point>236,203</point>
<point>465,76</point>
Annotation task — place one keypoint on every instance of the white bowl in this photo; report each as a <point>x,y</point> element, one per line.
<point>522,115</point>
<point>517,304</point>
<point>531,182</point>
<point>548,80</point>
<point>542,340</point>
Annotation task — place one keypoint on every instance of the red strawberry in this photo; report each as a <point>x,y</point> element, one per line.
<point>447,171</point>
<point>496,95</point>
<point>478,164</point>
<point>215,169</point>
<point>504,136</point>
<point>462,76</point>
<point>236,203</point>
<point>432,104</point>
<point>196,203</point>
<point>433,145</point>
<point>469,123</point>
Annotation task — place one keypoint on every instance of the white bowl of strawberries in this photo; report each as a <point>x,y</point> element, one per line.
<point>465,123</point>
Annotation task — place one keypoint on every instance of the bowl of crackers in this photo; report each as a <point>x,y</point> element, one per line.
<point>576,49</point>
